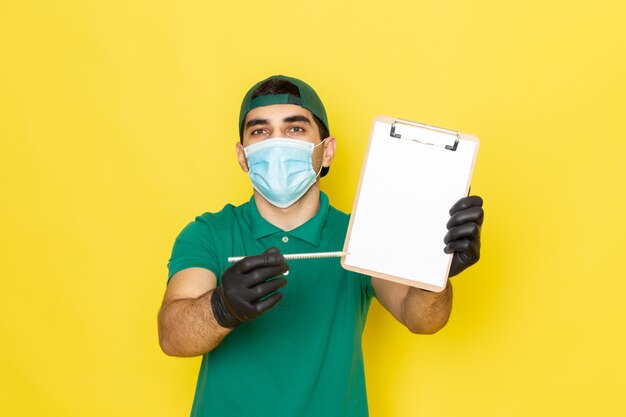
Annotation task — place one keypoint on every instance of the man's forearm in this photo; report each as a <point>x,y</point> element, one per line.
<point>427,312</point>
<point>187,327</point>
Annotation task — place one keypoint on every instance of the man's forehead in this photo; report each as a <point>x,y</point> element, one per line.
<point>278,112</point>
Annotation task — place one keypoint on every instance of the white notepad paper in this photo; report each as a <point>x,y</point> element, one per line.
<point>412,175</point>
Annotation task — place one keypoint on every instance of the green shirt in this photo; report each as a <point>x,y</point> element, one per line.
<point>303,357</point>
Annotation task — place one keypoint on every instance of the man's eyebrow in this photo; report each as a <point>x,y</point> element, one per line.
<point>297,118</point>
<point>256,122</point>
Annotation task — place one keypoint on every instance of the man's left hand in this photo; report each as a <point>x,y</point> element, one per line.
<point>463,237</point>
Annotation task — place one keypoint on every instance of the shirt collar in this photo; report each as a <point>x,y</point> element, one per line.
<point>310,231</point>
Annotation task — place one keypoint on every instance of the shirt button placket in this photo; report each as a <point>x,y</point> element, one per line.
<point>285,239</point>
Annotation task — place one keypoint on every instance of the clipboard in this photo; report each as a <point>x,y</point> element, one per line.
<point>412,175</point>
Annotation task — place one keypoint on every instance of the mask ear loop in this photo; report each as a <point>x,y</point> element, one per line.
<point>321,165</point>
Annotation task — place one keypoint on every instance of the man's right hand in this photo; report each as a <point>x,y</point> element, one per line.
<point>240,297</point>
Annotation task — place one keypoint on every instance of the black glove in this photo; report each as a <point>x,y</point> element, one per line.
<point>245,284</point>
<point>463,237</point>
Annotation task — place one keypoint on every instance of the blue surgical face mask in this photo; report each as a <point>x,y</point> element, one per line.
<point>281,169</point>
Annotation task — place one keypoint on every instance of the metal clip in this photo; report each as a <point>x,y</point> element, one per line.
<point>429,135</point>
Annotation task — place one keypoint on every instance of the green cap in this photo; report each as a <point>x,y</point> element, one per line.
<point>308,99</point>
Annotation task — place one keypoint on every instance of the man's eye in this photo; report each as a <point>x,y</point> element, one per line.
<point>296,129</point>
<point>257,131</point>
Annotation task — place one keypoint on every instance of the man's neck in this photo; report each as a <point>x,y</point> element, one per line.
<point>293,216</point>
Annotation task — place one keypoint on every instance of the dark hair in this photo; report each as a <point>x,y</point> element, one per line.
<point>277,86</point>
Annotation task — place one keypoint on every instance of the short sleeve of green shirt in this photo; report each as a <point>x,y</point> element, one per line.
<point>194,247</point>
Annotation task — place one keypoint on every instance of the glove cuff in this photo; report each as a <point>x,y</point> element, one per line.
<point>220,312</point>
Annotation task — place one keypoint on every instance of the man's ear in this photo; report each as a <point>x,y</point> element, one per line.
<point>329,151</point>
<point>241,157</point>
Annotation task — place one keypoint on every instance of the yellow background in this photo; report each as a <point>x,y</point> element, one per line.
<point>118,123</point>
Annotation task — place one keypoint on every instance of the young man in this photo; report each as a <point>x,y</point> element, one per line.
<point>287,345</point>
